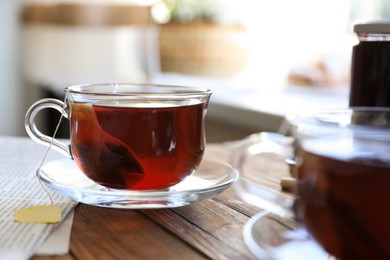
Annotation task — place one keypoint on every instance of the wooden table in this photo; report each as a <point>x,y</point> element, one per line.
<point>210,229</point>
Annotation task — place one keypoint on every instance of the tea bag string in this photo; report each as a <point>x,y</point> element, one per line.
<point>47,153</point>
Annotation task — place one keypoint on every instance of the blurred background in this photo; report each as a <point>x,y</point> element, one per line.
<point>241,44</point>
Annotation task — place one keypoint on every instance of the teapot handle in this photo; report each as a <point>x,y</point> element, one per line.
<point>252,193</point>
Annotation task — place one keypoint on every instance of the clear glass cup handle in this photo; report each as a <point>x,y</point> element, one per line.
<point>38,136</point>
<point>252,193</point>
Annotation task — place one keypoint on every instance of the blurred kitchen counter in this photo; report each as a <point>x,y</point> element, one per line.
<point>236,110</point>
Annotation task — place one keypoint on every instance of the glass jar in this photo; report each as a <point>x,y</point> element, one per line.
<point>370,71</point>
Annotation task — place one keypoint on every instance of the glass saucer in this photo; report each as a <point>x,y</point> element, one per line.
<point>211,178</point>
<point>269,236</point>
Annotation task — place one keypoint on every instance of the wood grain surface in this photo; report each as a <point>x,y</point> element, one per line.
<point>210,229</point>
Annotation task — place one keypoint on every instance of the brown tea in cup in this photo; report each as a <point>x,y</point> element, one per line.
<point>343,199</point>
<point>137,148</point>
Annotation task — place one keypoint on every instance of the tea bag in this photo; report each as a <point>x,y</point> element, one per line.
<point>105,153</point>
<point>38,214</point>
<point>49,214</point>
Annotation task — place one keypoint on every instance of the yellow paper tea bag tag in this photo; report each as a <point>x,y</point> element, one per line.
<point>38,214</point>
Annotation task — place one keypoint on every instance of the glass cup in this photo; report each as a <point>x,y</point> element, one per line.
<point>130,136</point>
<point>342,174</point>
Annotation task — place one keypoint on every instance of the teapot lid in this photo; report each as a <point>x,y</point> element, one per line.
<point>372,26</point>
